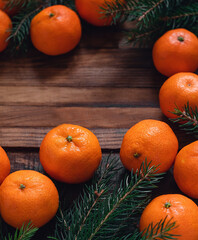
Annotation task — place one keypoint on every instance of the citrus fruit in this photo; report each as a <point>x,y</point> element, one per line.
<point>5,29</point>
<point>27,195</point>
<point>152,140</point>
<point>4,165</point>
<point>182,210</point>
<point>186,170</point>
<point>70,153</point>
<point>91,11</point>
<point>176,51</point>
<point>55,30</point>
<point>177,91</point>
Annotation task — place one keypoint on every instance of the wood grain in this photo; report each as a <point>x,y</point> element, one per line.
<point>32,116</point>
<point>67,96</point>
<point>83,68</point>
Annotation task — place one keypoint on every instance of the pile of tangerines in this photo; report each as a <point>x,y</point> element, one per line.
<point>71,153</point>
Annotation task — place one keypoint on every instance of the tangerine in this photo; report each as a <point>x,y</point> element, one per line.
<point>91,11</point>
<point>176,51</point>
<point>186,170</point>
<point>179,208</point>
<point>55,30</point>
<point>177,91</point>
<point>27,195</point>
<point>4,165</point>
<point>5,30</point>
<point>70,153</point>
<point>152,140</point>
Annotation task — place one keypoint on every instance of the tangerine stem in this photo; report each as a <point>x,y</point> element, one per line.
<point>51,15</point>
<point>69,138</point>
<point>180,38</point>
<point>136,155</point>
<point>167,205</point>
<point>22,186</point>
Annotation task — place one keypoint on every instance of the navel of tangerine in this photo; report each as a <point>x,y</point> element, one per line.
<point>136,155</point>
<point>69,138</point>
<point>167,205</point>
<point>22,186</point>
<point>181,39</point>
<point>51,15</point>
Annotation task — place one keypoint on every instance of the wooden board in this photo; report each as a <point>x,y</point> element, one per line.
<point>102,85</point>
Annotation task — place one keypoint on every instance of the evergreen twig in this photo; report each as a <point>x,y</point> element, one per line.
<point>161,230</point>
<point>104,210</point>
<point>152,18</point>
<point>25,233</point>
<point>187,119</point>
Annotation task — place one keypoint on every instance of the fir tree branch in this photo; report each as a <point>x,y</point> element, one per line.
<point>179,16</point>
<point>20,31</point>
<point>161,230</point>
<point>153,17</point>
<point>117,204</point>
<point>102,212</point>
<point>91,208</point>
<point>25,233</point>
<point>119,10</point>
<point>187,118</point>
<point>150,10</point>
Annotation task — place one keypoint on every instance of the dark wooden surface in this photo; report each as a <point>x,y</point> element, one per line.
<point>102,85</point>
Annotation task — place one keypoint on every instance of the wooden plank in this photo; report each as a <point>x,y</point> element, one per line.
<point>32,137</point>
<point>81,77</point>
<point>31,116</point>
<point>125,58</point>
<point>55,96</point>
<point>84,68</point>
<point>24,160</point>
<point>110,139</point>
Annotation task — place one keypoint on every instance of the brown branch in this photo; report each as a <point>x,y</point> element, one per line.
<point>23,20</point>
<point>178,16</point>
<point>30,227</point>
<point>149,10</point>
<point>112,12</point>
<point>119,202</point>
<point>189,118</point>
<point>85,218</point>
<point>134,37</point>
<point>65,223</point>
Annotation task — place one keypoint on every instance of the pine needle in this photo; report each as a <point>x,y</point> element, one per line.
<point>187,118</point>
<point>107,211</point>
<point>25,233</point>
<point>153,18</point>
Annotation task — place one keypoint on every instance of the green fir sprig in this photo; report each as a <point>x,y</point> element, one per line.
<point>161,230</point>
<point>107,211</point>
<point>152,18</point>
<point>187,119</point>
<point>26,232</point>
